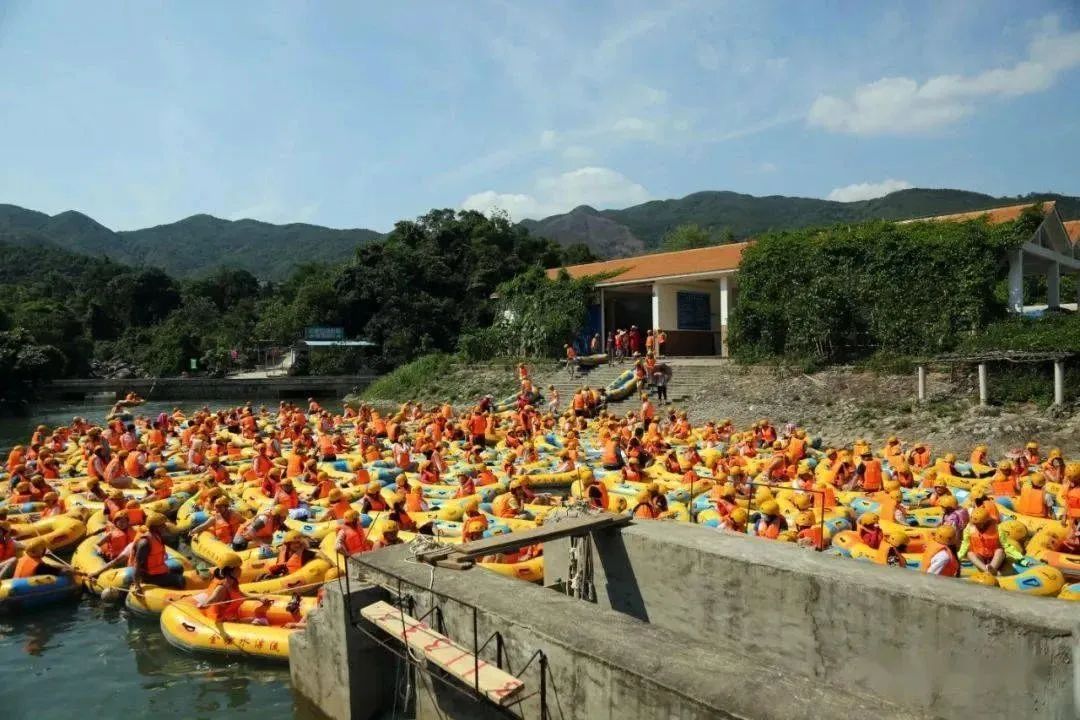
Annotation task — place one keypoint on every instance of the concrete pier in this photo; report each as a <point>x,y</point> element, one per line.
<point>691,623</point>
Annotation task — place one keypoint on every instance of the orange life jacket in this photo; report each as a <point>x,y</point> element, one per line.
<point>1072,502</point>
<point>814,534</point>
<point>155,559</point>
<point>501,507</point>
<point>952,566</point>
<point>645,511</point>
<point>770,530</point>
<point>872,475</point>
<point>291,561</point>
<point>597,495</point>
<point>115,541</point>
<point>354,539</point>
<point>611,454</point>
<point>7,548</point>
<point>986,542</point>
<point>224,528</point>
<point>27,566</point>
<point>228,609</point>
<point>414,502</point>
<point>1032,502</point>
<point>1003,485</point>
<point>339,508</point>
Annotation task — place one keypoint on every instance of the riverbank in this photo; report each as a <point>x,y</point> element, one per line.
<point>839,403</point>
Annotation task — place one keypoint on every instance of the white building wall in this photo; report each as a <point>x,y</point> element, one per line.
<point>668,311</point>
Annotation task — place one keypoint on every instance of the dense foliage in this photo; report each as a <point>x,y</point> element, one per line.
<point>536,317</point>
<point>636,229</point>
<point>413,292</point>
<point>847,292</point>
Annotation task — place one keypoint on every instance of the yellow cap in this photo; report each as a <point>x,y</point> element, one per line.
<point>374,487</point>
<point>980,516</point>
<point>802,501</point>
<point>1038,480</point>
<point>739,515</point>
<point>155,520</point>
<point>945,534</point>
<point>1032,445</point>
<point>390,527</point>
<point>770,507</point>
<point>728,491</point>
<point>292,536</point>
<point>869,518</point>
<point>351,516</point>
<point>334,494</point>
<point>806,518</point>
<point>470,505</point>
<point>231,561</point>
<point>947,502</point>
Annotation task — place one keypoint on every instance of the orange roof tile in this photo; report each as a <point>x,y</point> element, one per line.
<point>717,258</point>
<point>1073,228</point>
<point>995,216</point>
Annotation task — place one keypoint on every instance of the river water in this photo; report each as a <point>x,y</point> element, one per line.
<point>90,659</point>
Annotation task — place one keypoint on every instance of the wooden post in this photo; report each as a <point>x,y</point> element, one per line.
<point>921,375</point>
<point>1059,382</point>
<point>984,390</point>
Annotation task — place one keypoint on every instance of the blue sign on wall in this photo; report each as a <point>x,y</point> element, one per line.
<point>693,311</point>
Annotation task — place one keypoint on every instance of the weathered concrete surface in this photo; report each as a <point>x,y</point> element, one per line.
<point>337,668</point>
<point>605,664</point>
<point>943,647</point>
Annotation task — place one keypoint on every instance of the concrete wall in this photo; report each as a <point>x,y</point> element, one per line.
<point>336,668</point>
<point>947,648</point>
<point>199,388</point>
<point>605,665</point>
<point>669,313</point>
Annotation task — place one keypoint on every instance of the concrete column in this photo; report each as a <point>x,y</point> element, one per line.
<point>1016,281</point>
<point>921,375</point>
<point>1059,382</point>
<point>1053,286</point>
<point>603,322</point>
<point>723,300</point>
<point>655,306</point>
<point>984,387</point>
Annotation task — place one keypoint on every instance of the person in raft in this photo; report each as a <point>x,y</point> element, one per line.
<point>222,599</point>
<point>147,555</point>
<point>986,545</point>
<point>33,562</point>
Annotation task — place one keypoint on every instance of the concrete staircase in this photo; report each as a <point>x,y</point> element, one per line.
<point>688,378</point>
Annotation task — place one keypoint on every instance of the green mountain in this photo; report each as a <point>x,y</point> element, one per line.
<point>614,233</point>
<point>190,247</point>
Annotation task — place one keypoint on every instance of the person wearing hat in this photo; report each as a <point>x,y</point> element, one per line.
<point>808,532</point>
<point>261,528</point>
<point>351,538</point>
<point>293,555</point>
<point>373,501</point>
<point>148,556</point>
<point>337,504</point>
<point>1070,494</point>
<point>631,472</point>
<point>939,489</point>
<point>870,532</point>
<point>286,495</point>
<point>474,522</point>
<point>1034,500</point>
<point>735,521</point>
<point>510,504</point>
<point>987,545</point>
<point>118,536</point>
<point>1054,467</point>
<point>54,506</point>
<point>1031,457</point>
<point>223,597</point>
<point>919,457</point>
<point>389,536</point>
<point>33,562</point>
<point>939,557</point>
<point>770,523</point>
<point>224,523</point>
<point>9,547</point>
<point>953,514</point>
<point>594,491</point>
<point>869,473</point>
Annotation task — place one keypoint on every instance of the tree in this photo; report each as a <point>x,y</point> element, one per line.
<point>537,315</point>
<point>686,237</point>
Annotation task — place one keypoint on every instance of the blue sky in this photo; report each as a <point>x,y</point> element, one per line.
<point>358,114</point>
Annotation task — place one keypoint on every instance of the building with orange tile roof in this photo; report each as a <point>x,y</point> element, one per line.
<point>688,294</point>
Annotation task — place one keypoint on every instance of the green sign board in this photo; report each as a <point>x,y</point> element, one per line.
<point>324,332</point>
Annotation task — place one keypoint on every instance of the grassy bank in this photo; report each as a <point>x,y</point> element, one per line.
<point>441,377</point>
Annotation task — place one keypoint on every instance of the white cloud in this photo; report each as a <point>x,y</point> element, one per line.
<point>900,105</point>
<point>596,186</point>
<point>767,167</point>
<point>868,191</point>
